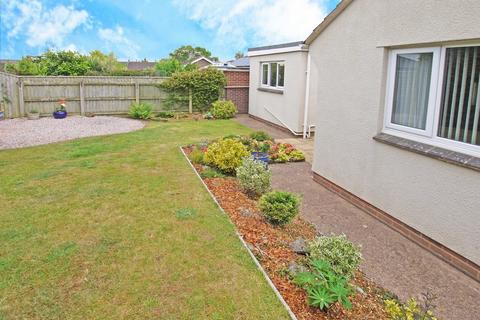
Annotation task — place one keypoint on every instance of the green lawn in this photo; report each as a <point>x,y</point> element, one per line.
<point>88,231</point>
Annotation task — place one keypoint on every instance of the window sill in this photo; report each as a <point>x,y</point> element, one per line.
<point>453,157</point>
<point>271,90</point>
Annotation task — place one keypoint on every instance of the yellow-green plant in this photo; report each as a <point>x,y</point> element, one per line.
<point>279,207</point>
<point>226,155</point>
<point>223,109</point>
<point>408,311</point>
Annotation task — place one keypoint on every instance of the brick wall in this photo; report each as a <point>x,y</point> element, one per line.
<point>237,89</point>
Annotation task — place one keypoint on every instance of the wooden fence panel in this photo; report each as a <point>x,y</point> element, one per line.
<point>99,94</point>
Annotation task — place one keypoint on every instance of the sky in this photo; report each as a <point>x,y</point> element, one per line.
<point>151,29</point>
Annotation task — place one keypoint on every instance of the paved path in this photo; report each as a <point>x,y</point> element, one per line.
<point>391,260</point>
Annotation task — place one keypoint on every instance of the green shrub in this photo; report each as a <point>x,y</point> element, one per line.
<point>279,207</point>
<point>211,173</point>
<point>296,155</point>
<point>165,114</point>
<point>141,110</point>
<point>338,251</point>
<point>196,156</point>
<point>260,136</point>
<point>324,287</point>
<point>226,155</point>
<point>223,109</point>
<point>254,177</point>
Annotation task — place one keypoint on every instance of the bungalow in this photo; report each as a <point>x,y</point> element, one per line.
<point>396,93</point>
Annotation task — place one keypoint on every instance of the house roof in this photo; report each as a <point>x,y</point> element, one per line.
<point>138,65</point>
<point>243,62</point>
<point>328,20</point>
<point>277,46</point>
<point>201,58</point>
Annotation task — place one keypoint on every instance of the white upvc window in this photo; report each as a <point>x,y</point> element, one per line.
<point>433,96</point>
<point>273,74</point>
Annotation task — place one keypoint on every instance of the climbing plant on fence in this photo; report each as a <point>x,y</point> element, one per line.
<point>205,87</point>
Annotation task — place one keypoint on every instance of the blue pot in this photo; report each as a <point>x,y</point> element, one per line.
<point>60,114</point>
<point>261,156</point>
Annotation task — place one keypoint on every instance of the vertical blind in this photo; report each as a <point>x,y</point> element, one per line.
<point>412,89</point>
<point>460,107</point>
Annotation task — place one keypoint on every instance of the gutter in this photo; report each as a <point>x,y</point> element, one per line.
<point>307,96</point>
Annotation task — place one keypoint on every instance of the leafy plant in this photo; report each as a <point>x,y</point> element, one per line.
<point>410,310</point>
<point>285,152</point>
<point>279,207</point>
<point>223,109</point>
<point>324,287</point>
<point>211,173</point>
<point>167,67</point>
<point>260,136</point>
<point>186,54</point>
<point>254,177</point>
<point>205,85</point>
<point>141,110</point>
<point>33,111</point>
<point>226,155</point>
<point>343,256</point>
<point>196,156</point>
<point>165,114</point>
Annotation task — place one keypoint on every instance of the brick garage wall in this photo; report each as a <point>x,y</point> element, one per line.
<point>237,88</point>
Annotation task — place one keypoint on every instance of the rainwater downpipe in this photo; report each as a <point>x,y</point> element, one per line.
<point>307,96</point>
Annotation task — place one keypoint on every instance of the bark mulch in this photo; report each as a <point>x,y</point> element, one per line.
<point>271,247</point>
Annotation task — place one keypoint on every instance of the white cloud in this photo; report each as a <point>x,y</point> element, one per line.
<point>259,21</point>
<point>39,25</point>
<point>116,40</point>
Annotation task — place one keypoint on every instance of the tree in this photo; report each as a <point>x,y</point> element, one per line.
<point>239,55</point>
<point>167,67</point>
<point>104,63</point>
<point>186,54</point>
<point>64,63</point>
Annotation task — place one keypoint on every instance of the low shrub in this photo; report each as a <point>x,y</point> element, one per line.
<point>260,136</point>
<point>141,110</point>
<point>223,109</point>
<point>226,155</point>
<point>211,173</point>
<point>254,177</point>
<point>323,286</point>
<point>279,207</point>
<point>196,156</point>
<point>407,311</point>
<point>343,256</point>
<point>285,152</point>
<point>165,114</point>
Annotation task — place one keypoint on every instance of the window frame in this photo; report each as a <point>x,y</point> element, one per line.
<point>430,134</point>
<point>268,84</point>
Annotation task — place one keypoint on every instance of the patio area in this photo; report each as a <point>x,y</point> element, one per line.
<point>391,260</point>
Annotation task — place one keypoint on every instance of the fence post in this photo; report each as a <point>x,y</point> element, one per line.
<point>21,101</point>
<point>190,101</point>
<point>137,92</point>
<point>82,99</point>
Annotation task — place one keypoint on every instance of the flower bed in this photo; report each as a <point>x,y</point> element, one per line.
<point>272,247</point>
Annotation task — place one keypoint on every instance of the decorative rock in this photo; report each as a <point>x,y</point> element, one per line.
<point>294,268</point>
<point>360,291</point>
<point>299,246</point>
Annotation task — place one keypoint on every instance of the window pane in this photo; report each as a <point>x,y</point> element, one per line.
<point>460,107</point>
<point>265,74</point>
<point>281,72</point>
<point>412,88</point>
<point>273,74</point>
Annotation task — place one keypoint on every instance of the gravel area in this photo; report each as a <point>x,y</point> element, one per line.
<point>18,133</point>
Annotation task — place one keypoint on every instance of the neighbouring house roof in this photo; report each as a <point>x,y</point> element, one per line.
<point>243,62</point>
<point>138,65</point>
<point>328,19</point>
<point>202,58</point>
